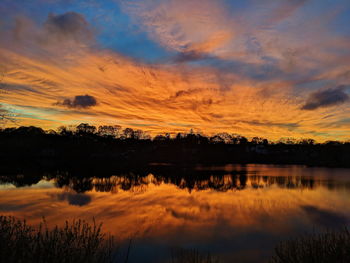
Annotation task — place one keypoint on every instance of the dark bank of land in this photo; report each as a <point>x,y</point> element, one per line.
<point>84,147</point>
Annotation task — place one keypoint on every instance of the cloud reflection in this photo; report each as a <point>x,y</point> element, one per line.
<point>77,199</point>
<point>161,212</point>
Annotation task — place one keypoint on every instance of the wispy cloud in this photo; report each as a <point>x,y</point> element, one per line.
<point>184,26</point>
<point>239,67</point>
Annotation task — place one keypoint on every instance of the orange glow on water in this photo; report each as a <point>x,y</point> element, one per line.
<point>272,202</point>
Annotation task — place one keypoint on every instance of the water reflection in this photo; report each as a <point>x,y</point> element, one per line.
<point>235,212</point>
<point>195,179</point>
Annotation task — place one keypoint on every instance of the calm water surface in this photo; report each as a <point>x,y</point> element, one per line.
<point>238,213</point>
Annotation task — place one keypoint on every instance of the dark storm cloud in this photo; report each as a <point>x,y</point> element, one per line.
<point>326,98</point>
<point>68,25</point>
<point>80,101</point>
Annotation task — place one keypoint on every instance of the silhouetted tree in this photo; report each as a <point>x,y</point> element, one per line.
<point>333,143</point>
<point>235,139</point>
<point>159,138</point>
<point>243,140</point>
<point>288,141</point>
<point>85,128</point>
<point>217,139</point>
<point>51,132</point>
<point>259,140</point>
<point>307,142</point>
<point>129,133</point>
<point>28,143</point>
<point>63,130</point>
<point>227,138</point>
<point>141,135</point>
<point>106,130</point>
<point>31,131</point>
<point>180,136</point>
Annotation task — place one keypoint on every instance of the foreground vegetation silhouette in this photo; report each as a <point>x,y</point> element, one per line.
<point>81,242</point>
<point>329,247</point>
<point>111,146</point>
<point>75,242</point>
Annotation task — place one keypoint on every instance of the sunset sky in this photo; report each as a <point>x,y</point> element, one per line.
<point>252,67</point>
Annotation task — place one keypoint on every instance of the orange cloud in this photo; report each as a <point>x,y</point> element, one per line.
<point>259,96</point>
<point>156,98</point>
<point>201,26</point>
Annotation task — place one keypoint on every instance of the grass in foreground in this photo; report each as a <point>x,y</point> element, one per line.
<point>79,241</point>
<point>75,242</point>
<point>332,246</point>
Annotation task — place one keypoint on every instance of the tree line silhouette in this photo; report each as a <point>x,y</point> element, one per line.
<point>112,146</point>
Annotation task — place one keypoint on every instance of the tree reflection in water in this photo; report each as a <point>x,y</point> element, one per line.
<point>184,178</point>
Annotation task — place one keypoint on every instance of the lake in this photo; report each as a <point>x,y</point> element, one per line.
<point>236,212</point>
